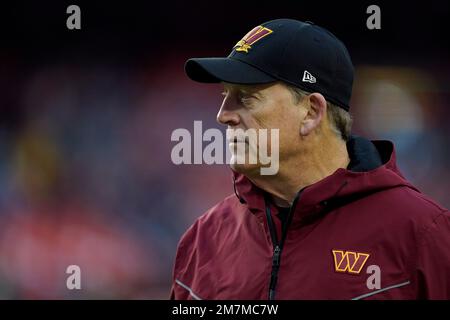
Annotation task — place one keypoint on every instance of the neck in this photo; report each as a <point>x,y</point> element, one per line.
<point>317,160</point>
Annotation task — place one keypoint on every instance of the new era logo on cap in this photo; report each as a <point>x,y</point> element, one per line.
<point>308,77</point>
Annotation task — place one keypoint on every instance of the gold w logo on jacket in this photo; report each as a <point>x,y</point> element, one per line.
<point>349,261</point>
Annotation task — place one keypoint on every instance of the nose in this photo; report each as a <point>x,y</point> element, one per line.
<point>228,114</point>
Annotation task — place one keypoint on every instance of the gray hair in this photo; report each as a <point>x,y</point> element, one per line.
<point>340,119</point>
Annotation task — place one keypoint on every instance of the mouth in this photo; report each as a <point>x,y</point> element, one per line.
<point>239,140</point>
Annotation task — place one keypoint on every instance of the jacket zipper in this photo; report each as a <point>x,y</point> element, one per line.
<point>278,245</point>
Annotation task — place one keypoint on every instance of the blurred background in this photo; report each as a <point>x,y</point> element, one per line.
<point>86,118</point>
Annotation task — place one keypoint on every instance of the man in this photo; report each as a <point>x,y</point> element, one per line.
<point>338,220</point>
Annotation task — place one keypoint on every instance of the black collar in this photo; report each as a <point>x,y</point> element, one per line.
<point>363,154</point>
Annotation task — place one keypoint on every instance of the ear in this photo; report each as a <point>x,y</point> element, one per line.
<point>316,107</point>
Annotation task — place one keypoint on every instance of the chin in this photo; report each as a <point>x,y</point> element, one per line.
<point>246,169</point>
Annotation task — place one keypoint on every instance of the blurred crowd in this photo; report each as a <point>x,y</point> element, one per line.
<point>86,176</point>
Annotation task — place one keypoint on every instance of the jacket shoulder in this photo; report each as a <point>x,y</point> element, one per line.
<point>412,204</point>
<point>224,211</point>
<point>224,214</point>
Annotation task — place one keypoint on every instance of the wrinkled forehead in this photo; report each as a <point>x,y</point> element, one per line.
<point>248,88</point>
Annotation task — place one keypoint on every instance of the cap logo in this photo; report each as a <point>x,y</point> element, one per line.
<point>308,77</point>
<point>250,38</point>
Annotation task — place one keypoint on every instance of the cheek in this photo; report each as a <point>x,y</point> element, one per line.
<point>286,120</point>
<point>269,118</point>
<point>251,120</point>
<point>288,123</point>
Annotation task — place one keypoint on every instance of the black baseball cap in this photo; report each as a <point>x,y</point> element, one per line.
<point>299,53</point>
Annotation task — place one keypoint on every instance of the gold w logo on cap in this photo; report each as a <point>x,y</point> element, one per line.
<point>349,261</point>
<point>250,38</point>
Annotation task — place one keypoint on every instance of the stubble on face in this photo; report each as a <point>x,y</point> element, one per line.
<point>272,107</point>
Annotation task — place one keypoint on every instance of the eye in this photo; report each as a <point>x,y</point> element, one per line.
<point>246,99</point>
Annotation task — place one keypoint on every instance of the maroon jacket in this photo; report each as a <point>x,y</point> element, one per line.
<point>360,233</point>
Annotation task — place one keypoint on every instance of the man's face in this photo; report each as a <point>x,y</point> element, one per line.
<point>269,106</point>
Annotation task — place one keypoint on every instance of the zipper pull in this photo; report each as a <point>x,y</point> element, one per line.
<point>276,256</point>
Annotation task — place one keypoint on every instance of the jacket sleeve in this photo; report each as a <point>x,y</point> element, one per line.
<point>183,269</point>
<point>433,260</point>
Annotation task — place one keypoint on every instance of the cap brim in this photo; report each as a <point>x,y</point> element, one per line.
<point>214,70</point>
